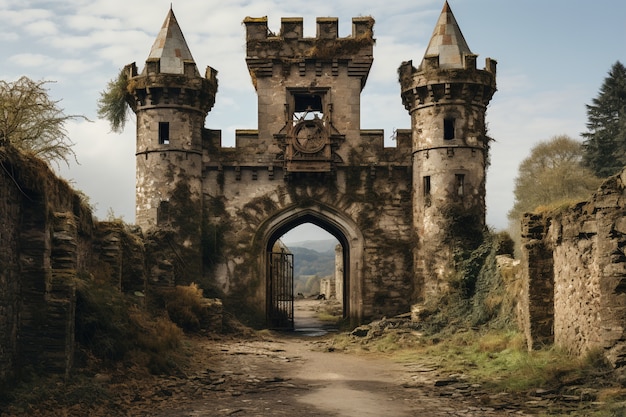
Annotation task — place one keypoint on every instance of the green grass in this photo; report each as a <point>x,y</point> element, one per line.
<point>499,362</point>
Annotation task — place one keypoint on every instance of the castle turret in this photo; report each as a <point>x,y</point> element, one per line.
<point>447,98</point>
<point>171,101</point>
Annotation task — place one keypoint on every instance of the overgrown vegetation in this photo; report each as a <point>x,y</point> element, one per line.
<point>478,294</point>
<point>185,306</point>
<point>115,328</point>
<point>112,105</point>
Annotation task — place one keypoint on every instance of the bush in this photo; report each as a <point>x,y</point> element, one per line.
<point>186,307</point>
<point>113,328</point>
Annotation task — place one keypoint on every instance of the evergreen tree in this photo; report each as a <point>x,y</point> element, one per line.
<point>605,142</point>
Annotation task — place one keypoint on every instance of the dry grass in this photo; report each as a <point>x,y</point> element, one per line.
<point>185,307</point>
<point>114,328</point>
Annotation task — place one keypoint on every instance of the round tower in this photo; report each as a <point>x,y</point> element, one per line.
<point>171,101</point>
<point>447,98</point>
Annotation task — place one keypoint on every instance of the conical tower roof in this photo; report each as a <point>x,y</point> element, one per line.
<point>170,47</point>
<point>447,41</point>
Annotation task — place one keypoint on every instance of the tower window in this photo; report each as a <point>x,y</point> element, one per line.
<point>448,128</point>
<point>307,107</point>
<point>460,183</point>
<point>164,133</point>
<point>426,185</point>
<point>307,102</point>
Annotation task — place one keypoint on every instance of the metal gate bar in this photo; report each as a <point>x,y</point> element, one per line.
<point>280,291</point>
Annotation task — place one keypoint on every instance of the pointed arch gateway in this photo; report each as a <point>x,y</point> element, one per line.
<point>337,224</point>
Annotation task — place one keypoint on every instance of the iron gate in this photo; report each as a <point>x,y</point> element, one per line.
<point>280,291</point>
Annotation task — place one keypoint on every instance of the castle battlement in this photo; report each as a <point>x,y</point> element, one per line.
<point>292,29</point>
<point>153,88</point>
<point>429,83</point>
<point>266,51</point>
<point>291,46</point>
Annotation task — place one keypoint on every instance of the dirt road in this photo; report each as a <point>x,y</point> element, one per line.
<point>299,375</point>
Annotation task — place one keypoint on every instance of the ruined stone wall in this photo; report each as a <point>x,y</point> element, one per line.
<point>10,213</point>
<point>537,293</point>
<point>44,222</point>
<point>327,288</point>
<point>585,245</point>
<point>48,243</point>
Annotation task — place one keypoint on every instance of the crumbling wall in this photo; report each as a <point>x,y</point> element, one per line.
<point>537,293</point>
<point>10,213</point>
<point>48,241</point>
<point>43,226</point>
<point>583,255</point>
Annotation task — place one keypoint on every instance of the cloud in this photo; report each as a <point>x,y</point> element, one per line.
<point>106,170</point>
<point>41,28</point>
<point>89,23</point>
<point>22,17</point>
<point>30,60</point>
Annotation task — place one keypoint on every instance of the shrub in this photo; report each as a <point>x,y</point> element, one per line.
<point>115,329</point>
<point>185,307</point>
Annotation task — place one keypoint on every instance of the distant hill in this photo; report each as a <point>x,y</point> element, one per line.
<point>316,245</point>
<point>313,260</point>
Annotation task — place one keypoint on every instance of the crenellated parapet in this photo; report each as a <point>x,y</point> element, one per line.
<point>292,51</point>
<point>430,84</point>
<point>153,88</point>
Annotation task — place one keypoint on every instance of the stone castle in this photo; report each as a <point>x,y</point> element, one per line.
<point>396,211</point>
<point>214,214</point>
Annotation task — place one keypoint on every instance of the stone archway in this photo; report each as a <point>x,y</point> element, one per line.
<point>338,225</point>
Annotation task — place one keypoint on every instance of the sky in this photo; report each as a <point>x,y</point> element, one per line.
<point>553,56</point>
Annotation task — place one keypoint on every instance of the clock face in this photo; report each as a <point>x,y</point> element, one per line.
<point>309,137</point>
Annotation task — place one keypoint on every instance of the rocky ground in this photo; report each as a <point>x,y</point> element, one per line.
<point>298,374</point>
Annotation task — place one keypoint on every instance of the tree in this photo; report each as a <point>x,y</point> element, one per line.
<point>605,141</point>
<point>112,105</point>
<point>552,174</point>
<point>32,122</point>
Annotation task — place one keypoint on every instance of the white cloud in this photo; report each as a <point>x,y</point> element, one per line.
<point>107,167</point>
<point>21,17</point>
<point>30,60</point>
<point>9,37</point>
<point>41,28</point>
<point>88,23</point>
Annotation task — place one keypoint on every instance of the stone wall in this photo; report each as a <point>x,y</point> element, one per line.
<point>575,271</point>
<point>365,204</point>
<point>49,241</point>
<point>44,226</point>
<point>537,294</point>
<point>10,213</point>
